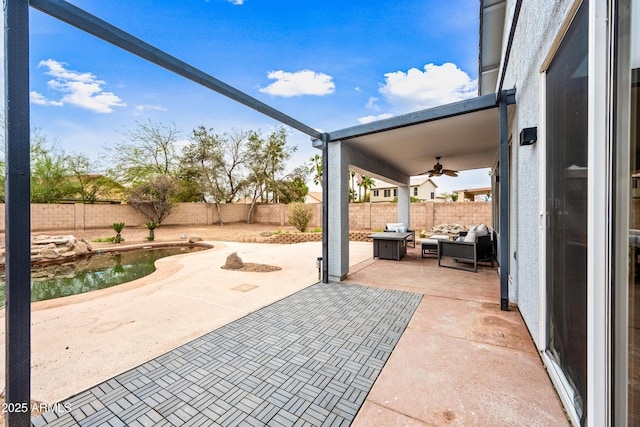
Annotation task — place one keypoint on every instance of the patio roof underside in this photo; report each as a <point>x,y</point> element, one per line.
<point>465,134</point>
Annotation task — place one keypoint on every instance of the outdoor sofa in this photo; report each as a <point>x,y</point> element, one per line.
<point>474,247</point>
<point>400,227</point>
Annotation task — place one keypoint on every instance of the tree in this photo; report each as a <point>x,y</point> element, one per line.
<point>205,162</point>
<point>234,155</point>
<point>316,169</point>
<point>147,151</point>
<point>293,187</point>
<point>91,187</point>
<point>190,188</point>
<point>352,187</point>
<point>257,168</point>
<point>453,196</point>
<point>49,171</point>
<point>276,155</point>
<point>153,198</point>
<point>367,183</point>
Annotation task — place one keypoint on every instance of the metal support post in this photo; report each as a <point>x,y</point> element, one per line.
<point>17,208</point>
<point>325,208</point>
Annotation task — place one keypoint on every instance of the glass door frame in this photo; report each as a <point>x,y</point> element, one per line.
<point>599,230</point>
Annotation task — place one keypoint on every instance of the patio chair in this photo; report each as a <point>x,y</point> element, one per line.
<point>468,249</point>
<point>400,227</point>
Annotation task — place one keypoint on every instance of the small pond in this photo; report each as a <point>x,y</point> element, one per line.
<point>96,271</point>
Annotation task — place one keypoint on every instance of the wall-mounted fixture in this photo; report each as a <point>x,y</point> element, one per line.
<point>528,136</point>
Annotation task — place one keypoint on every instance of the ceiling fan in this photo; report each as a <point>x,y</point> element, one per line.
<point>439,171</point>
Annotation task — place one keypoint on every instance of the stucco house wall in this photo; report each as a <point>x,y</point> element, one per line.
<point>538,27</point>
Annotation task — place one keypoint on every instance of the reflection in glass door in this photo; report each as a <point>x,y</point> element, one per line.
<point>633,77</point>
<point>566,200</point>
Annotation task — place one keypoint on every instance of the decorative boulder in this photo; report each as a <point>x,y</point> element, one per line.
<point>234,262</point>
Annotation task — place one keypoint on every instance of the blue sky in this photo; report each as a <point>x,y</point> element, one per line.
<point>329,64</point>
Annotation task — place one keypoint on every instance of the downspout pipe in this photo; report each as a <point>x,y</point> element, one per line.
<point>507,53</point>
<point>506,97</point>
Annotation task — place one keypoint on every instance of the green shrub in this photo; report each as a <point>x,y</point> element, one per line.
<point>110,239</point>
<point>151,225</point>
<point>117,227</point>
<point>300,215</point>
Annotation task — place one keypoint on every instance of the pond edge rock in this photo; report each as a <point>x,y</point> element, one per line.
<point>51,248</point>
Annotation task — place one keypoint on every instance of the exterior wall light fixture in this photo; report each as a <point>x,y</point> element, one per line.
<point>528,136</point>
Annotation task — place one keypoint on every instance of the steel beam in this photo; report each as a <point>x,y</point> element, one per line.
<point>431,114</point>
<point>83,20</point>
<point>17,208</point>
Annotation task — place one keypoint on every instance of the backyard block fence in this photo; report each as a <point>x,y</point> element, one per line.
<point>362,216</point>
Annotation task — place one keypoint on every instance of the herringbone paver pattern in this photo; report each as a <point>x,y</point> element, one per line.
<point>307,360</point>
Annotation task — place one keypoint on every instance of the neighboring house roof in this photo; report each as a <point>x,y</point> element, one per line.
<point>414,181</point>
<point>313,197</point>
<point>481,190</point>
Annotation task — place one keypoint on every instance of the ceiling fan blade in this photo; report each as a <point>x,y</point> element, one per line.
<point>450,172</point>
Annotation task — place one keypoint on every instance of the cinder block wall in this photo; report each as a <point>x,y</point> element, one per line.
<point>362,216</point>
<point>52,217</point>
<point>279,215</point>
<point>465,213</point>
<point>97,216</point>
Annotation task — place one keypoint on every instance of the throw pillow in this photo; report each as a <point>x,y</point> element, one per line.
<point>470,237</point>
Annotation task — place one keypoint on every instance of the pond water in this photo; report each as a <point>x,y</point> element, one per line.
<point>95,271</point>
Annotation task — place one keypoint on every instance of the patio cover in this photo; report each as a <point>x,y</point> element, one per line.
<point>469,134</point>
<point>465,134</point>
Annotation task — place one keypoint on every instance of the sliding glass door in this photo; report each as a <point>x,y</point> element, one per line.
<point>566,206</point>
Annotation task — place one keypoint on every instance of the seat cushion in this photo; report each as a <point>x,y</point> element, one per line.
<point>397,227</point>
<point>439,237</point>
<point>470,237</point>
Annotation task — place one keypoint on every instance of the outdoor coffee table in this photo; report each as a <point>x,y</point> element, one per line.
<point>430,245</point>
<point>389,245</point>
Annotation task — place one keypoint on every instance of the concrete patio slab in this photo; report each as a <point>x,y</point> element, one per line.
<point>465,382</point>
<point>461,361</point>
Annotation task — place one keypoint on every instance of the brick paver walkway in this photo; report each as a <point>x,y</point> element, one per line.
<point>307,360</point>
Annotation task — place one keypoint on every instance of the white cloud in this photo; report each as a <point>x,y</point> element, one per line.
<point>140,109</point>
<point>305,82</point>
<point>236,2</point>
<point>369,119</point>
<point>81,89</point>
<point>39,99</point>
<point>436,85</point>
<point>372,103</point>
